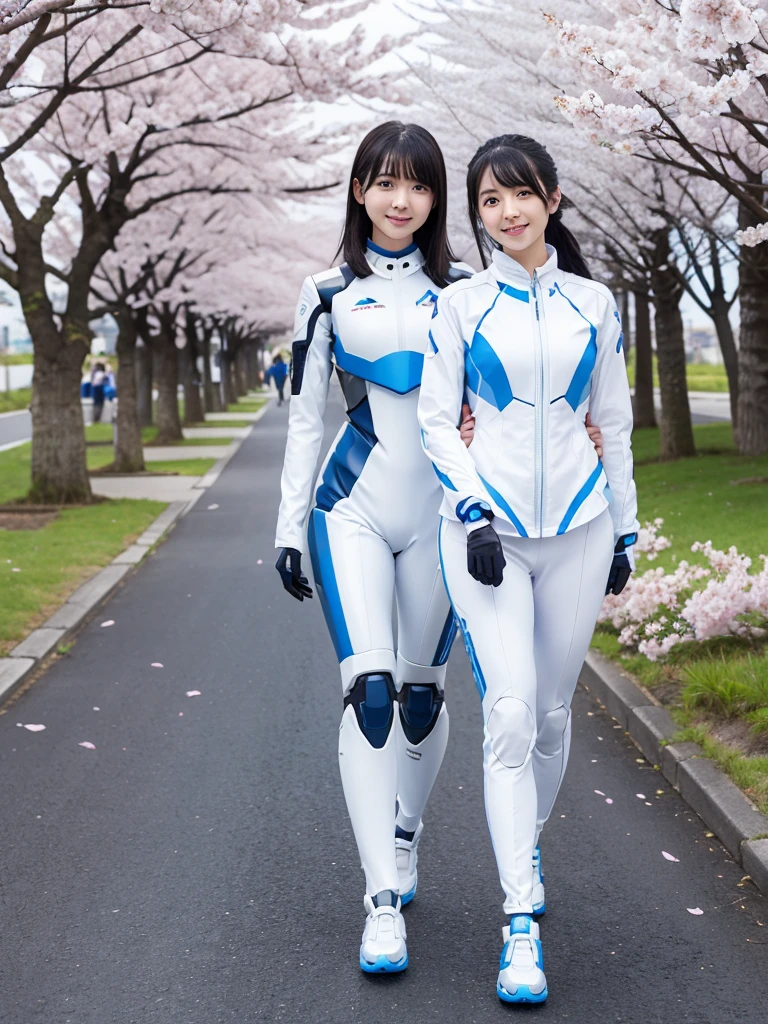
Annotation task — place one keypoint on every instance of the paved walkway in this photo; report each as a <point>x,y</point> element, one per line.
<point>156,488</point>
<point>198,866</point>
<point>173,453</point>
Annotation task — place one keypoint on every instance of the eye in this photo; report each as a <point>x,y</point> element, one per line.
<point>422,188</point>
<point>491,201</point>
<point>385,184</point>
<point>524,193</point>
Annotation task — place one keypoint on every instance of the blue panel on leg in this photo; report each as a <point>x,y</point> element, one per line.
<point>325,581</point>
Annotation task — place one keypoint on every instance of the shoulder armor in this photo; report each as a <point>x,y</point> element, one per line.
<point>331,282</point>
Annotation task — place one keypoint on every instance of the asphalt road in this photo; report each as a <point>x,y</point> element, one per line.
<point>198,867</point>
<point>15,426</point>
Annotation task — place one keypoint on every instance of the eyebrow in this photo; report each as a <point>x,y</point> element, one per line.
<point>487,191</point>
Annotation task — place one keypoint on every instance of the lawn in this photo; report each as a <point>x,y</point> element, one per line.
<point>250,404</point>
<point>54,560</point>
<point>700,376</point>
<point>716,691</point>
<point>17,359</point>
<point>12,400</point>
<point>98,458</point>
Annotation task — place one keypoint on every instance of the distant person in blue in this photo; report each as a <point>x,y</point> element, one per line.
<point>278,371</point>
<point>98,381</point>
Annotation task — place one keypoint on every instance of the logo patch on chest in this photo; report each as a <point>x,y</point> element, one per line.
<point>427,299</point>
<point>367,304</point>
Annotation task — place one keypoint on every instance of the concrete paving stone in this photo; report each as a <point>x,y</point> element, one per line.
<point>754,858</point>
<point>250,417</point>
<point>176,453</point>
<point>607,684</point>
<point>132,555</point>
<point>98,586</point>
<point>66,617</point>
<point>154,488</point>
<point>39,643</point>
<point>720,803</point>
<point>12,671</point>
<point>649,726</point>
<point>672,754</point>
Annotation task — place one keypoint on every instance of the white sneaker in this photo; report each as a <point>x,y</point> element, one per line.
<point>538,899</point>
<point>383,947</point>
<point>521,974</point>
<point>407,855</point>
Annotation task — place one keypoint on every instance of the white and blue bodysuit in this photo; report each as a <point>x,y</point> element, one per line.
<point>372,536</point>
<point>533,355</point>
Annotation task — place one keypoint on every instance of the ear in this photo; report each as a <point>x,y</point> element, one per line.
<point>555,198</point>
<point>357,189</point>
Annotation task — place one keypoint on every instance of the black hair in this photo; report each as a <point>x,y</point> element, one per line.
<point>408,151</point>
<point>516,160</point>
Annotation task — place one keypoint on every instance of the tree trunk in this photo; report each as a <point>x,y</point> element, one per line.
<point>211,396</point>
<point>166,361</point>
<point>129,454</point>
<point>642,403</point>
<point>59,469</point>
<point>727,342</point>
<point>193,407</point>
<point>241,372</point>
<point>144,368</point>
<point>753,344</point>
<point>227,389</point>
<point>676,427</point>
<point>252,366</point>
<point>623,304</point>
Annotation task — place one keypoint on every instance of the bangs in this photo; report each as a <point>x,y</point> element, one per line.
<point>513,169</point>
<point>406,157</point>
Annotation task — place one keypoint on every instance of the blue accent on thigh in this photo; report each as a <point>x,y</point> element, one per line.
<point>445,642</point>
<point>325,581</point>
<point>477,672</point>
<point>581,497</point>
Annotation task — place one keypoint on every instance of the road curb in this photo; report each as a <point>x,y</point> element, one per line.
<point>27,656</point>
<point>721,805</point>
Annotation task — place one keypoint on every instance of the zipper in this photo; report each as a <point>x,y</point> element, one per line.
<point>398,306</point>
<point>538,436</point>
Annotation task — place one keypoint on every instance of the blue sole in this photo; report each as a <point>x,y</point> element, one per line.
<point>539,911</point>
<point>523,995</point>
<point>406,899</point>
<point>384,965</point>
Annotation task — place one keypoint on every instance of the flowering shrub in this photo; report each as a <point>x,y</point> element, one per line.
<point>656,611</point>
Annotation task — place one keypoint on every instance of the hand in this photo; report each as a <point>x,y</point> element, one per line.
<point>594,436</point>
<point>467,428</point>
<point>296,584</point>
<point>485,559</point>
<point>622,567</point>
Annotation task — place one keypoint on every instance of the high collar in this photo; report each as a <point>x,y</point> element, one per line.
<point>389,264</point>
<point>510,271</point>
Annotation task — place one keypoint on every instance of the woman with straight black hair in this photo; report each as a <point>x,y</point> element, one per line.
<point>372,531</point>
<point>535,528</point>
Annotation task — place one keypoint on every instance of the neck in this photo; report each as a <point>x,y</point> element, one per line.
<point>532,258</point>
<point>390,244</point>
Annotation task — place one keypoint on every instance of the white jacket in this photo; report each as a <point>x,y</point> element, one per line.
<point>532,355</point>
<point>374,330</point>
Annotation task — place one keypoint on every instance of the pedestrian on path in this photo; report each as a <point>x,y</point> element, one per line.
<point>278,371</point>
<point>98,381</point>
<point>533,525</point>
<point>373,528</point>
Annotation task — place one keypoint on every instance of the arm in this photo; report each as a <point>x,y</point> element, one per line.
<point>440,400</point>
<point>610,405</point>
<point>311,365</point>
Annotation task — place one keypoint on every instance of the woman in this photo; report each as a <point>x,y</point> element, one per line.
<point>373,529</point>
<point>533,523</point>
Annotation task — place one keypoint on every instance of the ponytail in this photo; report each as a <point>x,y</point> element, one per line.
<point>569,255</point>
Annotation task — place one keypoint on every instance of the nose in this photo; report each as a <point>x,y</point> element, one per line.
<point>400,199</point>
<point>511,209</point>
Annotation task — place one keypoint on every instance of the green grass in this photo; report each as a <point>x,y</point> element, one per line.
<point>697,497</point>
<point>749,773</point>
<point>247,405</point>
<point>15,470</point>
<point>103,432</point>
<point>213,422</point>
<point>98,458</point>
<point>17,359</point>
<point>700,376</point>
<point>55,559</point>
<point>12,400</point>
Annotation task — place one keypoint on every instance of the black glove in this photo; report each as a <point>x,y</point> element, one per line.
<point>296,584</point>
<point>485,559</point>
<point>620,572</point>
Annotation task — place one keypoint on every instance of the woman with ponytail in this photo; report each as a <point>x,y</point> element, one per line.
<point>535,527</point>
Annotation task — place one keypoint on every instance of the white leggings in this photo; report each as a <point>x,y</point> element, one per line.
<point>526,641</point>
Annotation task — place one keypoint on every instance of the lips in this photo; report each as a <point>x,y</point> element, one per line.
<point>518,229</point>
<point>398,221</point>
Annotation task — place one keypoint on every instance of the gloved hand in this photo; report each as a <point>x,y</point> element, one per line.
<point>622,567</point>
<point>296,584</point>
<point>485,559</point>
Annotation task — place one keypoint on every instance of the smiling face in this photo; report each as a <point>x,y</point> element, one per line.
<point>516,217</point>
<point>397,208</point>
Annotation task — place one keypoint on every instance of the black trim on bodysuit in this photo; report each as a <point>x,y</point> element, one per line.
<point>300,349</point>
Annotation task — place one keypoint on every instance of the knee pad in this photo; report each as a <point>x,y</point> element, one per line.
<point>419,710</point>
<point>512,731</point>
<point>550,734</point>
<point>372,698</point>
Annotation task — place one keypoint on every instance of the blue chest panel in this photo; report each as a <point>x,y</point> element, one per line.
<point>398,371</point>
